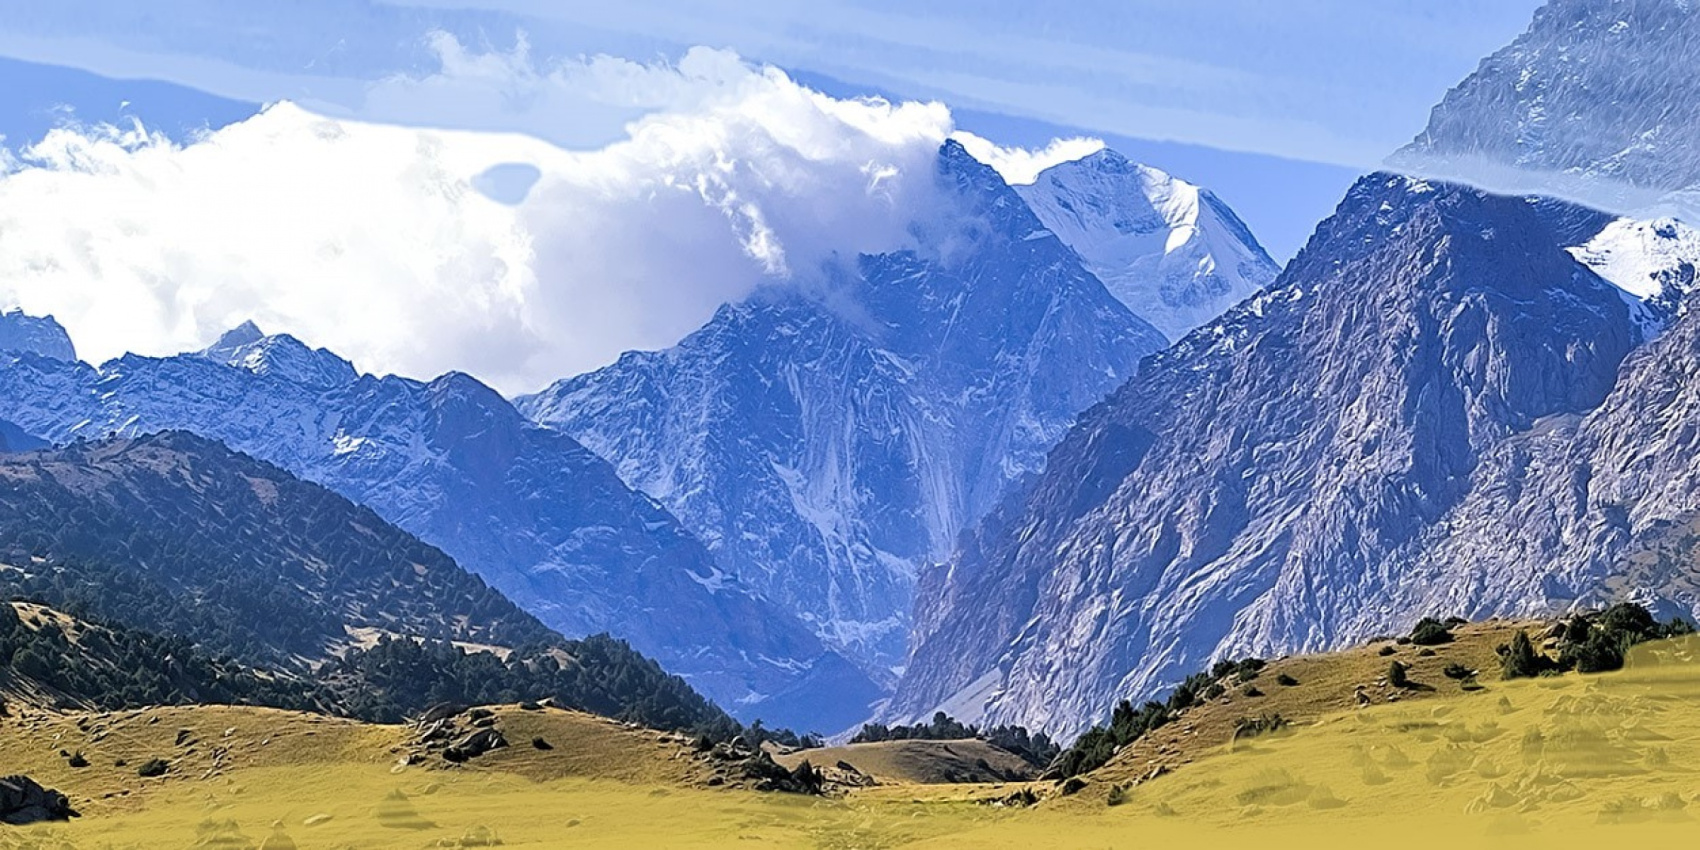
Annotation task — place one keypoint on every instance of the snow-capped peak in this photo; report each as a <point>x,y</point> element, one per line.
<point>1171,251</point>
<point>1654,260</point>
<point>281,356</point>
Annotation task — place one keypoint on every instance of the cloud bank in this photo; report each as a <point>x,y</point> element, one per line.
<point>419,252</point>
<point>1021,166</point>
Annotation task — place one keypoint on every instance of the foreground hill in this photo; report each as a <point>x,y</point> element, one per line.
<point>177,534</point>
<point>1561,760</point>
<point>196,554</point>
<point>916,762</point>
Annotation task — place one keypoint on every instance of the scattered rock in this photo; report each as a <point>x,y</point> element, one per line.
<point>540,744</point>
<point>278,840</point>
<point>528,705</point>
<point>153,767</point>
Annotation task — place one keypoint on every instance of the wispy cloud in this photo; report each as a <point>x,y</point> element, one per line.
<point>1021,166</point>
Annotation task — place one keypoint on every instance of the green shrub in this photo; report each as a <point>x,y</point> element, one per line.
<point>1520,660</point>
<point>1397,675</point>
<point>1430,632</point>
<point>1286,681</point>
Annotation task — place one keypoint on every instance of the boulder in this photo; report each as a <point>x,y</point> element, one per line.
<point>440,711</point>
<point>474,745</point>
<point>24,801</point>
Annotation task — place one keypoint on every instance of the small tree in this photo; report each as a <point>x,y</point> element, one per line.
<point>1396,675</point>
<point>1520,660</point>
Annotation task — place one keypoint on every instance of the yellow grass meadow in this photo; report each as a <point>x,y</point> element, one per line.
<point>1572,761</point>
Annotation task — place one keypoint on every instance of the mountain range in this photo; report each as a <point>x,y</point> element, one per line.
<point>826,442</point>
<point>819,443</point>
<point>529,509</point>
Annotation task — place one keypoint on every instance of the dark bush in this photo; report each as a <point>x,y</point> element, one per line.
<point>1397,675</point>
<point>1430,632</point>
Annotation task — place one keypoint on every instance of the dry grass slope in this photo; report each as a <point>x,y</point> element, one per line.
<point>1571,761</point>
<point>921,762</point>
<point>1327,684</point>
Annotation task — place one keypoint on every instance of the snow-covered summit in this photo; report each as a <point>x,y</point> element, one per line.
<point>41,336</point>
<point>280,355</point>
<point>1172,252</point>
<point>1654,260</point>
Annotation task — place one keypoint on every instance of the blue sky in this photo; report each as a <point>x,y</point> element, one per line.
<point>1276,106</point>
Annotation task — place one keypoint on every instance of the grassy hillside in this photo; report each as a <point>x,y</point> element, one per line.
<point>189,551</point>
<point>179,535</point>
<point>921,762</point>
<point>1555,762</point>
<point>1322,685</point>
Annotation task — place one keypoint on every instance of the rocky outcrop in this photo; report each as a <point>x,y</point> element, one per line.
<point>29,336</point>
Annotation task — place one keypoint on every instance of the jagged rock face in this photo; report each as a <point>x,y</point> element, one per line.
<point>827,440</point>
<point>1584,510</point>
<point>1598,101</point>
<point>1173,253</point>
<point>1247,491</point>
<point>529,509</point>
<point>28,335</point>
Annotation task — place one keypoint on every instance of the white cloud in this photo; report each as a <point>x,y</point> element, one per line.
<point>374,240</point>
<point>1021,166</point>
